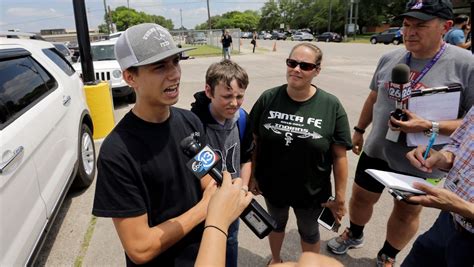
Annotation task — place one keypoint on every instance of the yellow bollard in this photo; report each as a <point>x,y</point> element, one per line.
<point>101,107</point>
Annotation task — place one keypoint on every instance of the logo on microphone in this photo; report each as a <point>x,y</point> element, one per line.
<point>399,92</point>
<point>197,166</point>
<point>207,157</point>
<point>203,161</point>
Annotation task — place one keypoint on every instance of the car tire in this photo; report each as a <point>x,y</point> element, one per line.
<point>373,41</point>
<point>131,98</point>
<point>396,42</point>
<point>86,159</point>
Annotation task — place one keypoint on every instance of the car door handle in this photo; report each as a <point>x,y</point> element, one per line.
<point>17,155</point>
<point>66,100</point>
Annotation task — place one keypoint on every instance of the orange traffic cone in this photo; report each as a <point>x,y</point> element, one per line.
<point>274,46</point>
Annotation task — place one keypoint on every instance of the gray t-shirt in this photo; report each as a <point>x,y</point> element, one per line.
<point>225,141</point>
<point>456,65</point>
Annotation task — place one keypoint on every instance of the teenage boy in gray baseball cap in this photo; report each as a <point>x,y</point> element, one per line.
<point>143,184</point>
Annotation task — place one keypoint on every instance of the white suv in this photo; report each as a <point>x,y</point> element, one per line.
<point>45,143</point>
<point>106,68</point>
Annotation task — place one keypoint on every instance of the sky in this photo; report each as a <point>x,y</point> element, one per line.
<point>34,15</point>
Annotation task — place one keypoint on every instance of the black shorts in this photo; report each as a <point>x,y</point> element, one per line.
<point>366,181</point>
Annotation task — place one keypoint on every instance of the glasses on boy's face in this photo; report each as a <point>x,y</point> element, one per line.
<point>303,65</point>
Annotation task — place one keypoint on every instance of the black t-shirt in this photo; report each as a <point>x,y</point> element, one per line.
<point>141,169</point>
<point>294,158</point>
<point>226,40</point>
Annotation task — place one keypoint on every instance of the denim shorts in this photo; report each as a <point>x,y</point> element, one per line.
<point>306,219</point>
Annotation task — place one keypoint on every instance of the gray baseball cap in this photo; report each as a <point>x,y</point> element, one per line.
<point>145,44</point>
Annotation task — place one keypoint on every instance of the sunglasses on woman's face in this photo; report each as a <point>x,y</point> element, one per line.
<point>303,65</point>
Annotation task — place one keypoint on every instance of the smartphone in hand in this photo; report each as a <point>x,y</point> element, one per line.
<point>326,219</point>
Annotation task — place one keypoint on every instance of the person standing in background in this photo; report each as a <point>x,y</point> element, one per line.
<point>467,32</point>
<point>254,41</point>
<point>457,36</point>
<point>226,41</point>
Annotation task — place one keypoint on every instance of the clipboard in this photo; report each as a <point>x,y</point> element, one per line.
<point>435,104</point>
<point>399,184</point>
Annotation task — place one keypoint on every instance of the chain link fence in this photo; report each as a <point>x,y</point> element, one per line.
<point>206,37</point>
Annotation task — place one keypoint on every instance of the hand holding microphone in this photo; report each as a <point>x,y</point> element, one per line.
<point>400,91</point>
<point>203,162</point>
<point>412,123</point>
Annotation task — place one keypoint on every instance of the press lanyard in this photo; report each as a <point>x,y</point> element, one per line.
<point>427,66</point>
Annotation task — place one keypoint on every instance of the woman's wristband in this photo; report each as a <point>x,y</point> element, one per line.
<point>359,130</point>
<point>213,226</point>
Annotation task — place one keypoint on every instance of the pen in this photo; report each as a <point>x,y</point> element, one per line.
<point>395,194</point>
<point>430,144</point>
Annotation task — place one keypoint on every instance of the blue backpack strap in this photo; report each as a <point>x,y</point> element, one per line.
<point>241,123</point>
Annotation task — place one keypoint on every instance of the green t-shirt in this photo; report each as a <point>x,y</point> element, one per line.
<point>294,159</point>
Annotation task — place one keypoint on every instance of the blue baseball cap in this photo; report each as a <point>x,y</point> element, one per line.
<point>429,9</point>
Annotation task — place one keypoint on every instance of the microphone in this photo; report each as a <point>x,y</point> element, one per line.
<point>400,91</point>
<point>203,161</point>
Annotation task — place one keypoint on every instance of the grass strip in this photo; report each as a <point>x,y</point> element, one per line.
<point>85,242</point>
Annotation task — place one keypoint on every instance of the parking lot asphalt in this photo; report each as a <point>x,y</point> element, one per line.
<point>78,237</point>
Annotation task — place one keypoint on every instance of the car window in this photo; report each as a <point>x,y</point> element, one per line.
<point>62,48</point>
<point>59,60</point>
<point>102,52</point>
<point>22,84</point>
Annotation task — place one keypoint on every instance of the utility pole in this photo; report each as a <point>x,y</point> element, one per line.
<point>330,15</point>
<point>356,16</point>
<point>345,19</point>
<point>107,21</point>
<point>209,15</point>
<point>82,28</point>
<point>181,29</point>
<point>128,4</point>
<point>112,28</point>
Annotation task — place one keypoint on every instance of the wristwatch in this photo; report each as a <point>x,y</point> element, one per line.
<point>359,130</point>
<point>434,128</point>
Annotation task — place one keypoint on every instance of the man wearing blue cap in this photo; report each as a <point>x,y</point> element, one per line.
<point>432,63</point>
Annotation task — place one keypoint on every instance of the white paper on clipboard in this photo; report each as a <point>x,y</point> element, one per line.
<point>438,106</point>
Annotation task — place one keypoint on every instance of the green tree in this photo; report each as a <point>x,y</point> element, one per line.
<point>167,23</point>
<point>298,14</point>
<point>205,25</point>
<point>374,13</point>
<point>124,18</point>
<point>103,28</point>
<point>246,21</point>
<point>271,16</point>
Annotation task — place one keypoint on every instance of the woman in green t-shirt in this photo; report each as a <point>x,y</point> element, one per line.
<point>301,134</point>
